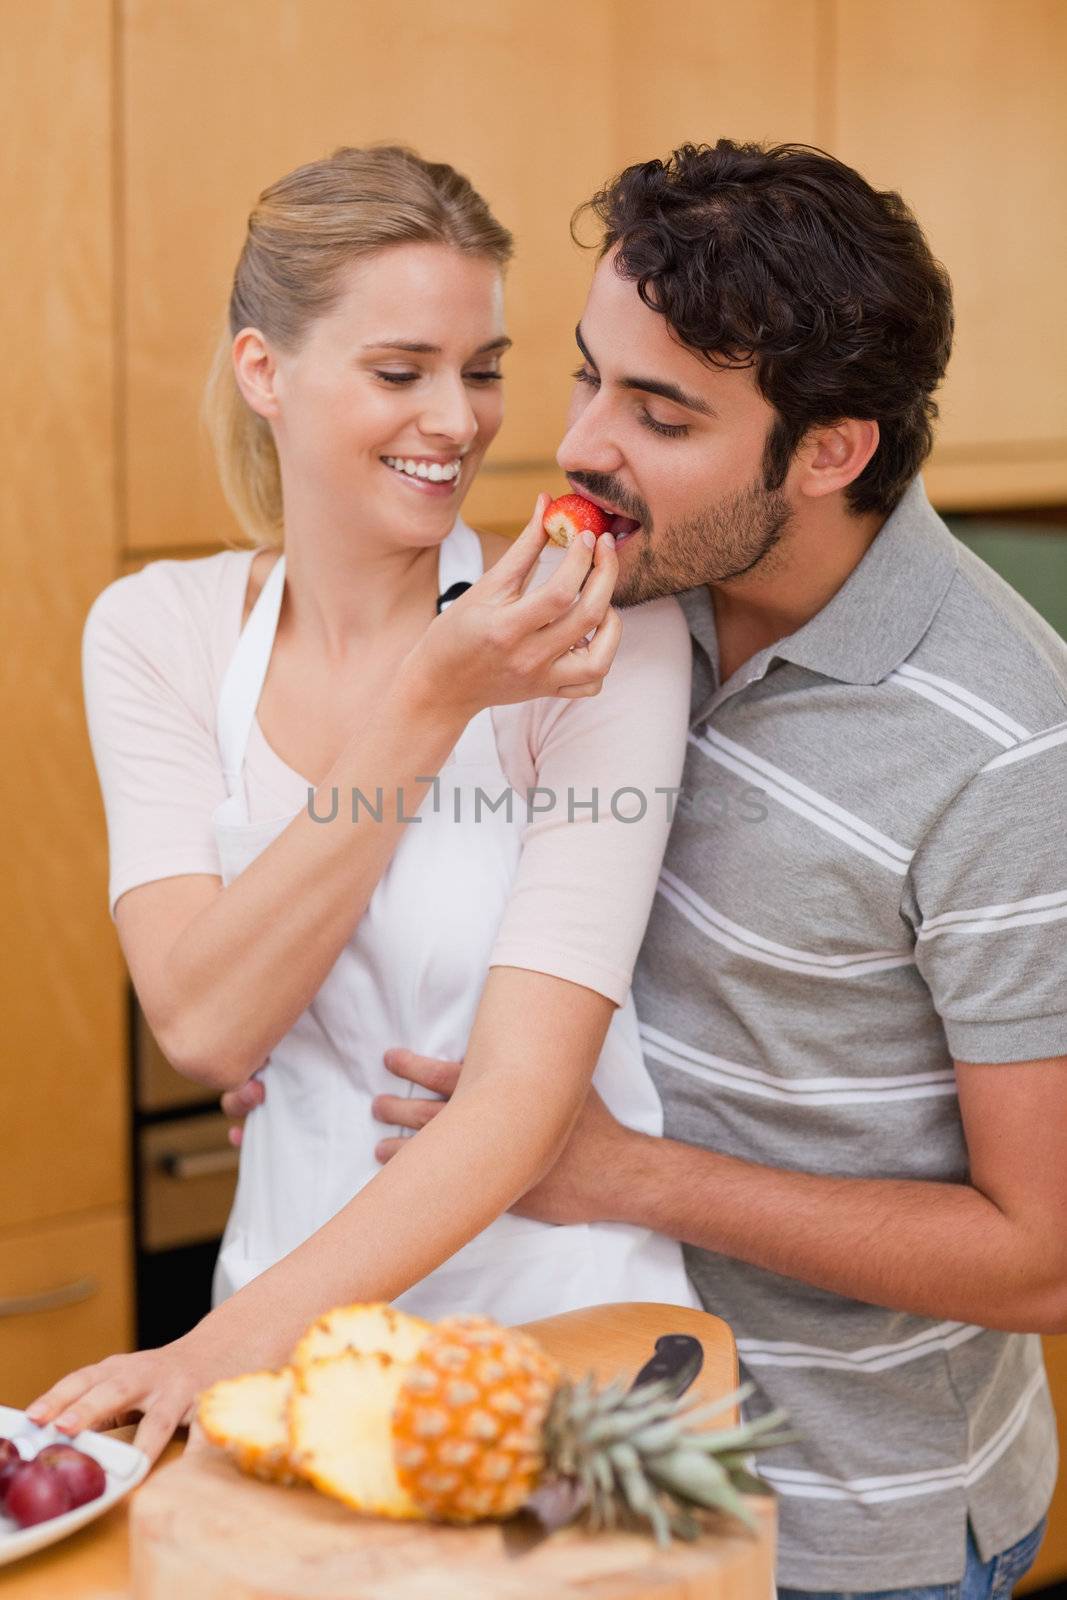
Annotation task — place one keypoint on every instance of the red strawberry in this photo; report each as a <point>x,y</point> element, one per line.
<point>571,515</point>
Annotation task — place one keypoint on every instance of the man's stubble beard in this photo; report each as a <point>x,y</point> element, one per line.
<point>714,545</point>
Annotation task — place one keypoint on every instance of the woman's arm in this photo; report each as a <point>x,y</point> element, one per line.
<point>535,1043</point>
<point>223,973</point>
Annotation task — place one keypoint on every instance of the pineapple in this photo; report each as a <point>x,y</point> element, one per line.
<point>366,1329</point>
<point>465,1420</point>
<point>249,1418</point>
<point>340,1427</point>
<point>468,1420</point>
<point>350,1364</point>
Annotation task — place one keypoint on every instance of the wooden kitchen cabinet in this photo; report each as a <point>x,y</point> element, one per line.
<point>959,105</point>
<point>63,1075</point>
<point>279,82</point>
<point>953,102</point>
<point>65,1299</point>
<point>486,96</point>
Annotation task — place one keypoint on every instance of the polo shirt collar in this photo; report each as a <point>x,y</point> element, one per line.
<point>877,617</point>
<point>886,604</point>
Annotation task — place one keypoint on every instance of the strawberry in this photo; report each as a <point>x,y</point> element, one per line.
<point>571,515</point>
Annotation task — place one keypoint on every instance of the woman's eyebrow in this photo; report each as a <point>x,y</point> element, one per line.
<point>661,386</point>
<point>417,348</point>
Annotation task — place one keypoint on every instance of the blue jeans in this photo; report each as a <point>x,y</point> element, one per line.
<point>982,1580</point>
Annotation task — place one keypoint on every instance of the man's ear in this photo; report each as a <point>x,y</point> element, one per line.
<point>835,456</point>
<point>254,368</point>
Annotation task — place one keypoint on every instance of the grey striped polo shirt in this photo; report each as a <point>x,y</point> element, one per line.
<point>865,879</point>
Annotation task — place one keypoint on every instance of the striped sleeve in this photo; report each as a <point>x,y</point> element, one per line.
<point>987,897</point>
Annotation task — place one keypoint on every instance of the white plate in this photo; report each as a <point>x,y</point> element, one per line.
<point>123,1465</point>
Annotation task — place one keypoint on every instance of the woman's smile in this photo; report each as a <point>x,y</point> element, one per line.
<point>437,476</point>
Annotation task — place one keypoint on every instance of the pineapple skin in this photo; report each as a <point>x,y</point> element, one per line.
<point>375,1328</point>
<point>469,1418</point>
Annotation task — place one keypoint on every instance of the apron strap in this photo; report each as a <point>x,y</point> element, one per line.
<point>459,561</point>
<point>243,683</point>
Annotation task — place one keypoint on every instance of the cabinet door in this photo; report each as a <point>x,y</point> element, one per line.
<point>64,1301</point>
<point>959,105</point>
<point>63,1080</point>
<point>512,93</point>
<point>711,69</point>
<point>539,101</point>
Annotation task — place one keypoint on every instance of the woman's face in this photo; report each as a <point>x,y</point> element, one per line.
<point>383,414</point>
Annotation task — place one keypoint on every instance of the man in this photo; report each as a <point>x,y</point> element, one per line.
<point>851,984</point>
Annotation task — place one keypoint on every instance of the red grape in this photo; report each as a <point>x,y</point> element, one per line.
<point>35,1494</point>
<point>82,1474</point>
<point>10,1461</point>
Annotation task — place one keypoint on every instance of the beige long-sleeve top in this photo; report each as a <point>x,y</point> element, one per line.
<point>155,649</point>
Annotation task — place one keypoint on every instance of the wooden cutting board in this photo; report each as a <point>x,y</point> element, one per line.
<point>201,1531</point>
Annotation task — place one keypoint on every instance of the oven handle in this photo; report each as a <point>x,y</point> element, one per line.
<point>187,1165</point>
<point>67,1294</point>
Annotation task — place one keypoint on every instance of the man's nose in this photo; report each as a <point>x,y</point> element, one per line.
<point>587,444</point>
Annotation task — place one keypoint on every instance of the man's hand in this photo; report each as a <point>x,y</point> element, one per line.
<point>572,1191</point>
<point>238,1103</point>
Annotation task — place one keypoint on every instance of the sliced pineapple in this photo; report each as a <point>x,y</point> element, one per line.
<point>249,1418</point>
<point>366,1329</point>
<point>341,1431</point>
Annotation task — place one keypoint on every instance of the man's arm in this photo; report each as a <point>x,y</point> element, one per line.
<point>992,1251</point>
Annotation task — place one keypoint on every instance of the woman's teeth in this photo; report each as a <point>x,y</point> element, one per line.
<point>435,471</point>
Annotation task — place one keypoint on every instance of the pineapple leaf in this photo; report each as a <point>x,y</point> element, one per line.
<point>693,1477</point>
<point>747,1435</point>
<point>746,1482</point>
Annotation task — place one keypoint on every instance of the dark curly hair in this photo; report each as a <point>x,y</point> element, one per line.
<point>784,259</point>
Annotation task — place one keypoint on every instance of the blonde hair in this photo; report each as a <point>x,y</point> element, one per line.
<point>303,231</point>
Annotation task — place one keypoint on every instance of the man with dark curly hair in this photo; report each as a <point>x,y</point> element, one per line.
<point>851,985</point>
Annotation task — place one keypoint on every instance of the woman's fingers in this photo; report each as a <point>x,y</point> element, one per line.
<point>508,575</point>
<point>555,597</point>
<point>159,1386</point>
<point>101,1404</point>
<point>158,1425</point>
<point>588,611</point>
<point>399,1112</point>
<point>581,672</point>
<point>62,1395</point>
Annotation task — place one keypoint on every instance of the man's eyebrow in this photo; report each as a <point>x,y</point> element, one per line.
<point>668,391</point>
<point>418,349</point>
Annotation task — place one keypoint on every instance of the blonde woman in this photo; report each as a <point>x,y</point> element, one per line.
<point>292,740</point>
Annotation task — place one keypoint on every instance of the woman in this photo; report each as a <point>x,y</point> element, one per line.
<point>281,905</point>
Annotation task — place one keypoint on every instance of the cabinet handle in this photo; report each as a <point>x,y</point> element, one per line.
<point>199,1163</point>
<point>67,1294</point>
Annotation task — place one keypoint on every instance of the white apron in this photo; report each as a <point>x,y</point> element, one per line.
<point>412,974</point>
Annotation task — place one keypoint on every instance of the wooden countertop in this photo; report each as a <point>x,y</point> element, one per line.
<point>93,1564</point>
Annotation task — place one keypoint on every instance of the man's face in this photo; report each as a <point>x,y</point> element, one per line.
<point>657,434</point>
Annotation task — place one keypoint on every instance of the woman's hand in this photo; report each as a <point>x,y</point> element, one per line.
<point>496,645</point>
<point>160,1386</point>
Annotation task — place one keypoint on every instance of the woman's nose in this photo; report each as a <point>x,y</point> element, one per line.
<point>448,413</point>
